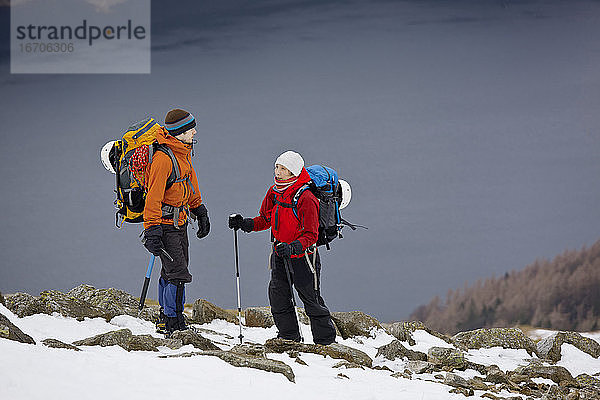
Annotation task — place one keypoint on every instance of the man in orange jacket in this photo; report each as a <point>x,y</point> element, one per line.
<point>166,214</point>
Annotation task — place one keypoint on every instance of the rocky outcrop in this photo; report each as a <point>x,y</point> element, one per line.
<point>456,381</point>
<point>400,332</point>
<point>556,373</point>
<point>112,301</point>
<point>195,339</point>
<point>334,350</point>
<point>549,347</point>
<point>447,358</point>
<point>10,331</point>
<point>420,367</point>
<point>51,301</point>
<point>403,331</point>
<point>355,323</point>
<point>259,317</point>
<point>508,338</point>
<point>57,344</point>
<point>248,349</point>
<point>83,301</point>
<point>68,306</point>
<point>395,349</point>
<point>247,357</point>
<point>495,375</point>
<point>248,361</point>
<point>24,304</point>
<point>590,386</point>
<point>126,340</point>
<point>204,311</point>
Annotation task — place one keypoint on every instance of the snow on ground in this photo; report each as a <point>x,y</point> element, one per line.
<point>97,373</point>
<point>578,362</point>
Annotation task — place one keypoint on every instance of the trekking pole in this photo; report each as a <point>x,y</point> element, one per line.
<point>288,271</point>
<point>237,274</point>
<point>146,283</point>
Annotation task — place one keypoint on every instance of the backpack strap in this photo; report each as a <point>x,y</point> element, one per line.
<point>297,197</point>
<point>175,177</point>
<point>176,170</point>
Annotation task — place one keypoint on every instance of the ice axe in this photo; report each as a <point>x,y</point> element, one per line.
<point>146,283</point>
<point>147,279</point>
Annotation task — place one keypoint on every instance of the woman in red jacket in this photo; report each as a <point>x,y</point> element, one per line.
<point>295,234</point>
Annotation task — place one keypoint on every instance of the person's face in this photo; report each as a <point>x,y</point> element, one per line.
<point>282,172</point>
<point>187,136</point>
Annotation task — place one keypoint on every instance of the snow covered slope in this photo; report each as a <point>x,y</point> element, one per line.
<point>39,372</point>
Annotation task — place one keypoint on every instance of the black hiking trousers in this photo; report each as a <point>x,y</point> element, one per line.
<point>176,244</point>
<point>280,297</point>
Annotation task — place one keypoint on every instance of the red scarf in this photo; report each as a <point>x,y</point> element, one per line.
<point>282,184</point>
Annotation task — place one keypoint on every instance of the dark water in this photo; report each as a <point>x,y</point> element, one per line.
<point>468,131</point>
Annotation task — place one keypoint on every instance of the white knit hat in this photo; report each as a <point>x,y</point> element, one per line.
<point>292,161</point>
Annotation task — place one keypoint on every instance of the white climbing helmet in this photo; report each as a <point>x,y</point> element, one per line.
<point>104,156</point>
<point>346,193</point>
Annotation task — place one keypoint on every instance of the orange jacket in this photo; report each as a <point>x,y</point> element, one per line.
<point>180,193</point>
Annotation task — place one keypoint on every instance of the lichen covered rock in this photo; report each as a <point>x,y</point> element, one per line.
<point>24,304</point>
<point>334,350</point>
<point>57,344</point>
<point>10,331</point>
<point>550,347</point>
<point>68,306</point>
<point>195,339</point>
<point>204,311</point>
<point>396,349</point>
<point>245,358</point>
<point>446,357</point>
<point>403,331</point>
<point>508,338</point>
<point>556,373</point>
<point>259,317</point>
<point>355,323</point>
<point>113,301</point>
<point>126,340</point>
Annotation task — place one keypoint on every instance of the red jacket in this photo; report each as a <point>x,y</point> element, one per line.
<point>180,193</point>
<point>284,224</point>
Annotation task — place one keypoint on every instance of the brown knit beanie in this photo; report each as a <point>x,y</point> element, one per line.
<point>179,121</point>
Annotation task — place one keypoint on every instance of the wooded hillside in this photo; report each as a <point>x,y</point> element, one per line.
<point>561,294</point>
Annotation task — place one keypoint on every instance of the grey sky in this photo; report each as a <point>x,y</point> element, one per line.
<point>468,131</point>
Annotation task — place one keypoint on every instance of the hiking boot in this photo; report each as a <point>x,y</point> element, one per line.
<point>297,339</point>
<point>161,323</point>
<point>172,324</point>
<point>176,323</point>
<point>181,322</point>
<point>325,343</point>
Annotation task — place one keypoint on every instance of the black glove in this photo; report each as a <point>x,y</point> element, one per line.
<point>153,240</point>
<point>236,221</point>
<point>287,249</point>
<point>203,222</point>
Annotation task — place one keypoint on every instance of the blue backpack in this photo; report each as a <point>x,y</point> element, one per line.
<point>325,186</point>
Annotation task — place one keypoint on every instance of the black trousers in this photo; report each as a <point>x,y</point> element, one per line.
<point>176,244</point>
<point>280,297</point>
